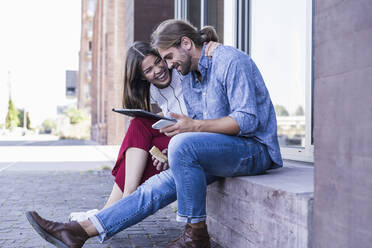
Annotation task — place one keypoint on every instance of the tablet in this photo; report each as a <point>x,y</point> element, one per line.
<point>141,113</point>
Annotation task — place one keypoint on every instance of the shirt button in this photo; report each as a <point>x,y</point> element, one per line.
<point>203,93</point>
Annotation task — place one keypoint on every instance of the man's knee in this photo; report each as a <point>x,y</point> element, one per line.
<point>180,147</point>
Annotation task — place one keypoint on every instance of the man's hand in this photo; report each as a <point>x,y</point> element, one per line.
<point>184,124</point>
<point>159,165</point>
<point>210,47</point>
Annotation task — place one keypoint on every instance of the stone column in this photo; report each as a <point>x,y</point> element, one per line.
<point>343,124</point>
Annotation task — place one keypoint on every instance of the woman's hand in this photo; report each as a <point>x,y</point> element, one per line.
<point>159,165</point>
<point>210,47</point>
<point>183,124</point>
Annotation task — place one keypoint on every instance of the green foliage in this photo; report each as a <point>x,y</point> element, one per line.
<point>21,114</point>
<point>75,115</point>
<point>106,167</point>
<point>48,125</point>
<point>28,123</point>
<point>281,110</point>
<point>300,111</point>
<point>12,119</point>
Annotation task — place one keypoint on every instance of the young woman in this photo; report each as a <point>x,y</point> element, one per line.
<point>147,80</point>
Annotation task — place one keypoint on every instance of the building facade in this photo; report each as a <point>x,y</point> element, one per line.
<point>71,84</point>
<point>315,57</point>
<point>116,25</point>
<point>85,55</point>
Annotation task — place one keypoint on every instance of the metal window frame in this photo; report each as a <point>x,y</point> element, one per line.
<point>307,153</point>
<point>243,34</point>
<point>243,25</point>
<point>203,13</point>
<point>180,11</point>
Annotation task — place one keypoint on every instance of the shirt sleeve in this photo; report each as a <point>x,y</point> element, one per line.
<point>241,94</point>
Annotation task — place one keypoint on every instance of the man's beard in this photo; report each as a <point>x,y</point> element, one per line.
<point>186,63</point>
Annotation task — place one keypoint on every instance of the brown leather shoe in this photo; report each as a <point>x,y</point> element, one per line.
<point>192,238</point>
<point>69,235</point>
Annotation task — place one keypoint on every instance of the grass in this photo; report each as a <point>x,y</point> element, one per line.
<point>106,167</point>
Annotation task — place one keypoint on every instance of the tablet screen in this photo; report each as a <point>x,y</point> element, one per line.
<point>140,113</point>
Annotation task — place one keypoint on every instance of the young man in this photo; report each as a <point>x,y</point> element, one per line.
<point>231,132</point>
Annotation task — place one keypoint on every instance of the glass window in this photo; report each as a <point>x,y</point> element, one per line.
<point>193,12</point>
<point>277,34</point>
<point>214,15</point>
<point>280,44</point>
<point>202,13</point>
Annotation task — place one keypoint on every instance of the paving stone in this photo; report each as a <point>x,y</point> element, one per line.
<point>55,194</point>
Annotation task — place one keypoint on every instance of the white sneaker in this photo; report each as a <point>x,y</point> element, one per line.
<point>81,216</point>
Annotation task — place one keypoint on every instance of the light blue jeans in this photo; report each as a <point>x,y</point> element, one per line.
<point>193,155</point>
<point>196,159</point>
<point>154,194</point>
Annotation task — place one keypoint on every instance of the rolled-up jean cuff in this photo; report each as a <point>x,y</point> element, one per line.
<point>102,234</point>
<point>191,220</point>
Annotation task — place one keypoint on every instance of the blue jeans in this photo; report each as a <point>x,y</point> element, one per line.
<point>196,159</point>
<point>193,155</point>
<point>154,194</point>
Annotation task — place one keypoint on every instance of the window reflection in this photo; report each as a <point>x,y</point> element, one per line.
<point>278,46</point>
<point>193,12</point>
<point>214,12</point>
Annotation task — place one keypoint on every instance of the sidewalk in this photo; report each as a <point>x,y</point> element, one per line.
<point>37,179</point>
<point>48,153</point>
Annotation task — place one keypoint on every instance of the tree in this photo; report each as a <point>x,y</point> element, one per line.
<point>21,114</point>
<point>48,125</point>
<point>28,124</point>
<point>12,119</point>
<point>299,111</point>
<point>280,110</point>
<point>75,115</point>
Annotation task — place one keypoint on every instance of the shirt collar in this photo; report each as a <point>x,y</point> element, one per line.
<point>203,64</point>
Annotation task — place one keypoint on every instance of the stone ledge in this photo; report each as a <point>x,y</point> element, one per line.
<point>271,210</point>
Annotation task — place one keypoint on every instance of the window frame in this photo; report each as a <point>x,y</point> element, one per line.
<point>180,11</point>
<point>240,28</point>
<point>306,153</point>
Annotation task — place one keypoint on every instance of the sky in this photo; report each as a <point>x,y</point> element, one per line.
<point>278,46</point>
<point>40,40</point>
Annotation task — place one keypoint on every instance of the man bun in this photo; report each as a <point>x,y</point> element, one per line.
<point>169,33</point>
<point>208,33</point>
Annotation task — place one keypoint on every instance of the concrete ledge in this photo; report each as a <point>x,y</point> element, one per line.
<point>271,210</point>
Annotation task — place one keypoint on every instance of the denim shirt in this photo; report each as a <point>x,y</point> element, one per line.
<point>233,86</point>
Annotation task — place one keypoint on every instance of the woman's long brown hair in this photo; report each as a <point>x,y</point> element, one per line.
<point>136,94</point>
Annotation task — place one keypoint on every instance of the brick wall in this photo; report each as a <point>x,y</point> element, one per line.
<point>116,25</point>
<point>83,91</point>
